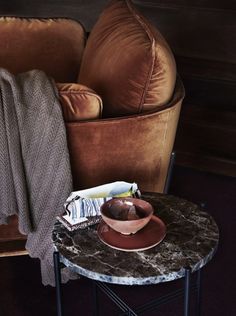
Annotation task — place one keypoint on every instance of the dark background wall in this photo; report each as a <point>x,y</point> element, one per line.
<point>202,35</point>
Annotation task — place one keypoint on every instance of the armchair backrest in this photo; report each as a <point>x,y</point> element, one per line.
<point>99,148</point>
<point>53,45</point>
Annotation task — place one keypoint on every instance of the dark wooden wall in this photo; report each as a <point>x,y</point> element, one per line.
<point>202,35</point>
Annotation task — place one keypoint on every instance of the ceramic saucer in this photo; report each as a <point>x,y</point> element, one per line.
<point>149,236</point>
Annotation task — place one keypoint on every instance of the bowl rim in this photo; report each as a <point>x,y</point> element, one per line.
<point>128,199</point>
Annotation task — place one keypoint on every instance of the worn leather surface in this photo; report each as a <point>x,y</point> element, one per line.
<point>128,62</point>
<point>79,102</point>
<point>52,45</point>
<point>132,148</point>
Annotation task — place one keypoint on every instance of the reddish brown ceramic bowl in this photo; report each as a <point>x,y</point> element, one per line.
<point>126,215</point>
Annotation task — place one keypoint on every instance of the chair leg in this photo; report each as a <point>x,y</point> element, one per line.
<point>169,172</point>
<point>57,271</point>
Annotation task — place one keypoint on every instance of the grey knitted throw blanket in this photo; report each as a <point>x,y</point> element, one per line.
<point>35,175</point>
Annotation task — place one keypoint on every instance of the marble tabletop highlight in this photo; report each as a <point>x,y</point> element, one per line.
<point>191,241</point>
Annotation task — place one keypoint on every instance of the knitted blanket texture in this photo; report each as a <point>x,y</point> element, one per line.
<point>34,161</point>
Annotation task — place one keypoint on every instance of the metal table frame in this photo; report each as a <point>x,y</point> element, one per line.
<point>183,292</point>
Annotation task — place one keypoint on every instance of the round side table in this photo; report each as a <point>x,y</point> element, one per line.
<point>191,240</point>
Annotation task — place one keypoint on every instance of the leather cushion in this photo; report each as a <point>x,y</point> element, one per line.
<point>133,148</point>
<point>53,45</point>
<point>79,102</point>
<point>128,62</point>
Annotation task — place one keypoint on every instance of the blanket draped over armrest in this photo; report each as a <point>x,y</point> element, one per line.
<point>35,174</point>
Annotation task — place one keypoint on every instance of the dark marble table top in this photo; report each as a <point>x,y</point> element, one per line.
<point>191,241</point>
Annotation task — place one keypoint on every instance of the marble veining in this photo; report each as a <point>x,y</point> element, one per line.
<point>191,241</point>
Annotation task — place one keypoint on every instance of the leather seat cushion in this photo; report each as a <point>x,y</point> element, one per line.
<point>128,62</point>
<point>53,45</point>
<point>79,102</point>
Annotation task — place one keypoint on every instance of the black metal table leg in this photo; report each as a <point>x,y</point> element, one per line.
<point>95,299</point>
<point>57,271</point>
<point>198,303</point>
<point>187,291</point>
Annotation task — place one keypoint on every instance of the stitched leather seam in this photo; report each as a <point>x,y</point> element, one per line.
<point>153,59</point>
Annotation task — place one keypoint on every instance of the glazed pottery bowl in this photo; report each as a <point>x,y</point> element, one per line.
<point>126,215</point>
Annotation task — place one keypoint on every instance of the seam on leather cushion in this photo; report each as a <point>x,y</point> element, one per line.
<point>128,62</point>
<point>153,55</point>
<point>79,103</point>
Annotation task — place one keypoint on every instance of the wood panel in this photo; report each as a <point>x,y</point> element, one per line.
<point>200,4</point>
<point>196,32</point>
<point>12,242</point>
<point>202,35</point>
<point>206,139</point>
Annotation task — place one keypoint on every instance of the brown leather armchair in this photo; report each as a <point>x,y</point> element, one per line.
<point>132,70</point>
